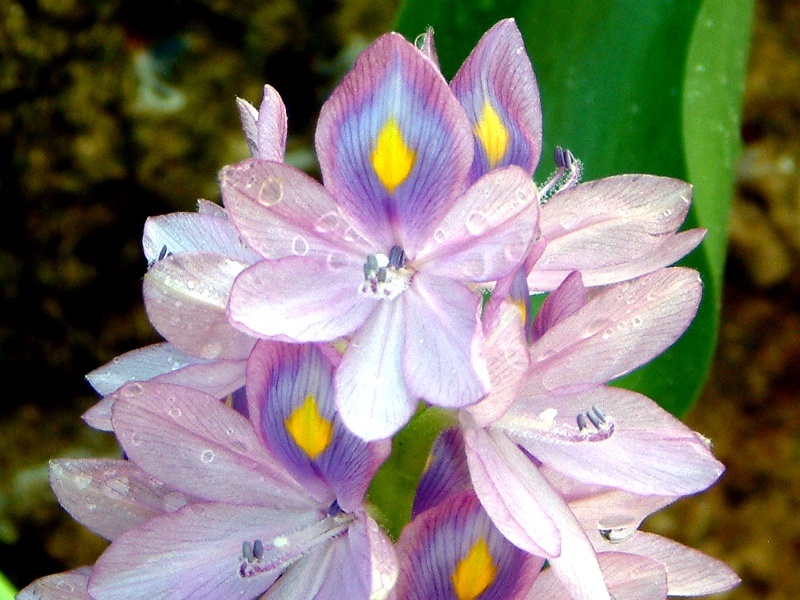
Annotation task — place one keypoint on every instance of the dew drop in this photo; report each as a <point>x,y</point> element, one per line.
<point>82,481</point>
<point>270,193</point>
<point>211,350</point>
<point>229,431</point>
<point>299,245</point>
<point>132,390</point>
<point>173,501</point>
<point>616,530</point>
<point>327,222</point>
<point>175,412</point>
<point>636,322</point>
<point>337,261</point>
<point>439,236</point>
<point>514,251</point>
<point>190,284</point>
<point>136,438</point>
<point>666,212</point>
<point>120,485</point>
<point>65,587</point>
<point>178,304</point>
<point>91,506</point>
<point>515,360</point>
<point>569,219</point>
<point>477,222</point>
<point>207,456</point>
<point>607,333</point>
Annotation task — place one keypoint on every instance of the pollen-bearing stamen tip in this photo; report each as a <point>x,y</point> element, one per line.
<point>568,174</point>
<point>386,277</point>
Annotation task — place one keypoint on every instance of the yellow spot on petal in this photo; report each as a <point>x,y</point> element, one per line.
<point>522,306</point>
<point>309,430</point>
<point>475,572</point>
<point>492,134</point>
<point>391,158</point>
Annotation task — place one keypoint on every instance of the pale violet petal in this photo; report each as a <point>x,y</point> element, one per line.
<point>443,357</point>
<point>300,299</point>
<point>371,392</point>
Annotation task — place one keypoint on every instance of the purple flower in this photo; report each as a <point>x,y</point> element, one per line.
<point>271,503</point>
<point>389,251</point>
<point>193,259</point>
<point>550,406</point>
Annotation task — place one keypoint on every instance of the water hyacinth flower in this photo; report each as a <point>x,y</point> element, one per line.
<point>272,504</point>
<point>388,250</point>
<point>193,259</point>
<point>554,409</point>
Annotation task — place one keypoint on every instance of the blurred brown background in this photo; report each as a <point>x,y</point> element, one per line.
<point>108,116</point>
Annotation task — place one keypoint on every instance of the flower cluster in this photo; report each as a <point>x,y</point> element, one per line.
<point>305,322</point>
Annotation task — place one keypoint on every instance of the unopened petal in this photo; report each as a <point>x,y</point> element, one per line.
<point>497,88</point>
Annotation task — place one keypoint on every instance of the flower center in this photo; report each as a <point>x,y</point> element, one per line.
<point>386,277</point>
<point>282,551</point>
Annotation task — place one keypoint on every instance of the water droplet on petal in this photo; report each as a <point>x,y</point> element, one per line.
<point>515,360</point>
<point>132,390</point>
<point>136,438</point>
<point>569,219</point>
<point>120,485</point>
<point>173,501</point>
<point>617,530</point>
<point>337,261</point>
<point>211,350</point>
<point>299,245</point>
<point>207,456</point>
<point>439,236</point>
<point>175,412</point>
<point>64,586</point>
<point>636,322</point>
<point>608,333</point>
<point>477,222</point>
<point>327,222</point>
<point>475,267</point>
<point>270,193</point>
<point>82,481</point>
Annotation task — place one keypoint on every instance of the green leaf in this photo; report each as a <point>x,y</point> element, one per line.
<point>7,590</point>
<point>391,492</point>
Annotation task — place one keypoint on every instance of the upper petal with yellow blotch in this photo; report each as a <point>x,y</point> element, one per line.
<point>393,143</point>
